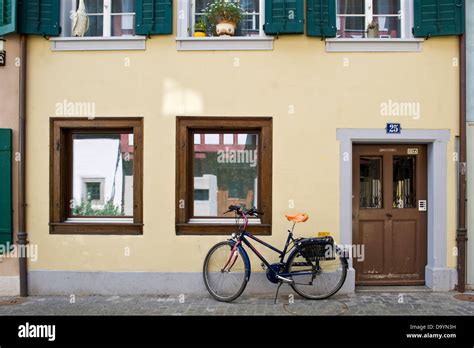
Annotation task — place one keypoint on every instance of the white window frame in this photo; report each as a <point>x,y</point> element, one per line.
<point>407,43</point>
<point>106,42</point>
<point>186,42</point>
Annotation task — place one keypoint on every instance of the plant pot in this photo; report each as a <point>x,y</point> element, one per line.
<point>199,33</point>
<point>225,28</point>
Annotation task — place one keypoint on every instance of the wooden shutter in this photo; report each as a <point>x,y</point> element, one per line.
<point>6,209</point>
<point>39,17</point>
<point>154,17</point>
<point>438,17</point>
<point>321,18</point>
<point>284,17</point>
<point>7,16</point>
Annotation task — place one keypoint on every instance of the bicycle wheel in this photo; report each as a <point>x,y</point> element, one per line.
<point>326,278</point>
<point>224,284</point>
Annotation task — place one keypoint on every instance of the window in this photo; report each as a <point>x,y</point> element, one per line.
<point>96,176</point>
<point>93,192</point>
<point>249,24</point>
<point>107,18</point>
<point>392,17</point>
<point>249,34</point>
<point>221,162</point>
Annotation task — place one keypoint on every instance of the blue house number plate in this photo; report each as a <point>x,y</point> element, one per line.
<point>393,128</point>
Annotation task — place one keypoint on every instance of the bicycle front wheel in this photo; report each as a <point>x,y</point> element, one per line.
<point>224,272</point>
<point>317,279</point>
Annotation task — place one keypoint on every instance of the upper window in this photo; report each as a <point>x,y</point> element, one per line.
<point>197,23</point>
<point>98,18</point>
<point>222,162</point>
<point>96,176</point>
<point>383,19</point>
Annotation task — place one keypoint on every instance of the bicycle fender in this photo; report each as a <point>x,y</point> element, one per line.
<point>246,259</point>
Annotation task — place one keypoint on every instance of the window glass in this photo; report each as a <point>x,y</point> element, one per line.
<point>404,190</point>
<point>95,13</point>
<point>249,24</point>
<point>225,174</point>
<point>370,186</point>
<point>102,174</point>
<point>387,14</point>
<point>123,17</point>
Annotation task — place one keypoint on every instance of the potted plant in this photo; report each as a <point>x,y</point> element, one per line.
<point>225,15</point>
<point>373,30</point>
<point>200,28</point>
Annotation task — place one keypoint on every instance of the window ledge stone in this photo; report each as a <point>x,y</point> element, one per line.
<point>264,43</point>
<point>374,45</point>
<point>118,43</point>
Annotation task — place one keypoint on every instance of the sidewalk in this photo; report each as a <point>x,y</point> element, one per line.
<point>359,303</point>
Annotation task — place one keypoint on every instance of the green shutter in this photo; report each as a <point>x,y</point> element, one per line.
<point>438,17</point>
<point>39,17</point>
<point>7,16</point>
<point>321,18</point>
<point>6,209</point>
<point>284,17</point>
<point>154,17</point>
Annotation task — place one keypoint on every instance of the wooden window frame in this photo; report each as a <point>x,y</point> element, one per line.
<point>185,126</point>
<point>60,174</point>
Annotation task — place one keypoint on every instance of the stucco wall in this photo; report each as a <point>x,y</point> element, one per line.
<point>161,83</point>
<point>9,86</point>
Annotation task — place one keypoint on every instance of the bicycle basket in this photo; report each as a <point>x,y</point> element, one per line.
<point>318,248</point>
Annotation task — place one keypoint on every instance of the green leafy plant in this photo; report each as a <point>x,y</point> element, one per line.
<point>85,209</point>
<point>201,25</point>
<point>224,10</point>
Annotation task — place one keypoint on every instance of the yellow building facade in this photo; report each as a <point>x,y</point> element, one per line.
<point>323,99</point>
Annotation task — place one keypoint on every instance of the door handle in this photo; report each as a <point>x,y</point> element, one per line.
<point>389,215</point>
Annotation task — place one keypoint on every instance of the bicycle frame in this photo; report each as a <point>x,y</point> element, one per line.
<point>242,238</point>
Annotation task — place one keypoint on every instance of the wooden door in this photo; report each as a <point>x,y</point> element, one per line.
<point>389,213</point>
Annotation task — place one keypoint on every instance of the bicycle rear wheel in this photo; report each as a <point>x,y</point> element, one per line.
<point>224,272</point>
<point>325,279</point>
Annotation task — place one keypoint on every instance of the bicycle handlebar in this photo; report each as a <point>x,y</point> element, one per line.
<point>241,211</point>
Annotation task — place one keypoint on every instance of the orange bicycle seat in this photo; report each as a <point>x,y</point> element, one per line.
<point>297,217</point>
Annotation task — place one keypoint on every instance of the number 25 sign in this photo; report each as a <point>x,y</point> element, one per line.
<point>393,128</point>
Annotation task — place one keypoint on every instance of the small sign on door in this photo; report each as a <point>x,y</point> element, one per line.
<point>413,151</point>
<point>422,205</point>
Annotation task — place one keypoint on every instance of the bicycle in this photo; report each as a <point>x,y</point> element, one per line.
<point>315,267</point>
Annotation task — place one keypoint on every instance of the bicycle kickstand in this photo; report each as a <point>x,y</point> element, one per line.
<point>276,295</point>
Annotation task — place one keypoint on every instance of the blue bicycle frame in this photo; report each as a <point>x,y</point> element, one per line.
<point>243,239</point>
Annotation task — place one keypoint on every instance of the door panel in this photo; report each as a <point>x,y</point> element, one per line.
<point>388,182</point>
<point>373,240</point>
<point>404,240</point>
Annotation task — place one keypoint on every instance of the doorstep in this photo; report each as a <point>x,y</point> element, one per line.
<point>392,288</point>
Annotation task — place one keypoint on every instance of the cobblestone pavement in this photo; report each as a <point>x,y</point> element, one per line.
<point>424,303</point>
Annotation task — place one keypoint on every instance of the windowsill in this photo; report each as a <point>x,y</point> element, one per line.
<point>115,43</point>
<point>374,45</point>
<point>229,43</point>
<point>220,229</point>
<point>96,228</point>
